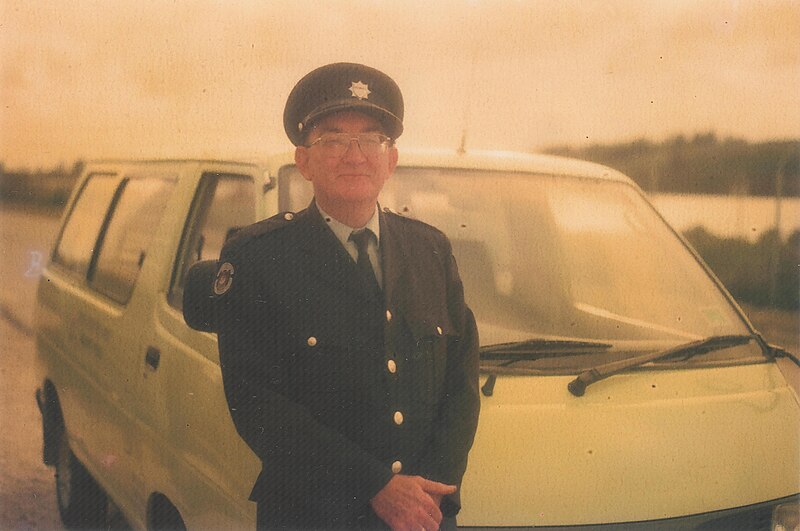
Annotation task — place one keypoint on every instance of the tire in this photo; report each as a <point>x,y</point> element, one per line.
<point>81,501</point>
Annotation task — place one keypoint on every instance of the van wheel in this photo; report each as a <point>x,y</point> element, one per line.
<point>81,502</point>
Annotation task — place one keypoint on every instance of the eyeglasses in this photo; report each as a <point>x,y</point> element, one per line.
<point>337,144</point>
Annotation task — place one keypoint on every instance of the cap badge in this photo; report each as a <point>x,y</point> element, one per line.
<point>360,90</point>
<point>224,279</point>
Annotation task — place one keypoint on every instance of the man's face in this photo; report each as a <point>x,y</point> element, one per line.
<point>353,179</point>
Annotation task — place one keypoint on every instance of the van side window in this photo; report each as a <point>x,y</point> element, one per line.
<point>82,229</point>
<point>294,193</point>
<point>125,240</point>
<point>224,203</point>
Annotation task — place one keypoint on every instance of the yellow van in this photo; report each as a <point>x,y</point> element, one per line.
<point>622,385</point>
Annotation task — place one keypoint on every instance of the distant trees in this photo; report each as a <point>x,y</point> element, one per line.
<point>701,165</point>
<point>48,188</point>
<point>762,273</point>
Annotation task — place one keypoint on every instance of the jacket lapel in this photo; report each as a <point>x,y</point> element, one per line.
<point>393,262</point>
<point>411,281</point>
<point>324,256</point>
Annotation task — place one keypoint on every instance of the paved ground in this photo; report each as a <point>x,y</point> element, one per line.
<point>25,241</point>
<point>27,495</point>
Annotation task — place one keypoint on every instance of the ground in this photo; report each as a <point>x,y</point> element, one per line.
<point>27,494</point>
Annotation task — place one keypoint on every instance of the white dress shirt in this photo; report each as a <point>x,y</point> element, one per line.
<point>342,233</point>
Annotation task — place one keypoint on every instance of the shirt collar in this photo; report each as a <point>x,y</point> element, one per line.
<point>343,231</point>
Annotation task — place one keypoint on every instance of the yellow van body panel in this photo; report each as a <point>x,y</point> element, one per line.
<point>645,445</point>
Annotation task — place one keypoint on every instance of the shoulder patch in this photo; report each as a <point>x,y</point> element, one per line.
<point>224,279</point>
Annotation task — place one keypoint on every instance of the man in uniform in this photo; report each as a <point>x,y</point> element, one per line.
<point>348,354</point>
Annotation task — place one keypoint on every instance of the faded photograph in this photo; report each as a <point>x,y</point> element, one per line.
<point>400,265</point>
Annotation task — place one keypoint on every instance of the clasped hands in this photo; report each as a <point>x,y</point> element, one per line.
<point>411,503</point>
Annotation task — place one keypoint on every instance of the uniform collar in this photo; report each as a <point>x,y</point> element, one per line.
<point>343,231</point>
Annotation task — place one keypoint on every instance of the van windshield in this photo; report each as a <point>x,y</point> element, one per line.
<point>545,256</point>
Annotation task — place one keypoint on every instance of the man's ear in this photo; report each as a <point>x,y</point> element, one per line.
<point>393,157</point>
<point>301,160</point>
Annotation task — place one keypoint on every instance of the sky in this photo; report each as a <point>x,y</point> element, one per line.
<point>97,79</point>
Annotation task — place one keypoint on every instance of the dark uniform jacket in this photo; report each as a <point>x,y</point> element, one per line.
<point>335,388</point>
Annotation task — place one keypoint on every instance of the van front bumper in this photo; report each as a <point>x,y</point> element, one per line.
<point>778,515</point>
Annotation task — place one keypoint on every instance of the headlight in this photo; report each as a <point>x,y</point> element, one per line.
<point>786,517</point>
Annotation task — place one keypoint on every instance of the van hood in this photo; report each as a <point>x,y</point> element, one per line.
<point>638,446</point>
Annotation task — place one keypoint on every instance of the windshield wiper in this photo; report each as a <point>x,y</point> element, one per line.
<point>685,351</point>
<point>533,349</point>
<point>777,351</point>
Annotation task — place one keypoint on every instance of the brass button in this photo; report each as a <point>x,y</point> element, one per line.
<point>312,341</point>
<point>397,466</point>
<point>398,417</point>
<point>288,216</point>
<point>439,330</point>
<point>392,366</point>
<point>388,315</point>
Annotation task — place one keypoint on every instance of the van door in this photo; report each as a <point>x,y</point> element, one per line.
<point>70,336</point>
<point>123,312</point>
<point>103,318</point>
<point>209,469</point>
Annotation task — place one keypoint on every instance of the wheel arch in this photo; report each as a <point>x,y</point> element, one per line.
<point>162,514</point>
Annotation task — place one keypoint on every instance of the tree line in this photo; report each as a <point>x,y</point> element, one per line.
<point>703,164</point>
<point>40,187</point>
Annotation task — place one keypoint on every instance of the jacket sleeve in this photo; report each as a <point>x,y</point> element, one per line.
<point>312,475</point>
<point>458,413</point>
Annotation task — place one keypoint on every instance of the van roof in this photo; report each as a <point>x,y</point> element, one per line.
<point>477,160</point>
<point>488,160</point>
<point>169,162</point>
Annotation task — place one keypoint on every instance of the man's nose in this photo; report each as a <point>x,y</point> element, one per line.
<point>353,152</point>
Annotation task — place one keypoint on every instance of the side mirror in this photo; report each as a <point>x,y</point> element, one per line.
<point>199,301</point>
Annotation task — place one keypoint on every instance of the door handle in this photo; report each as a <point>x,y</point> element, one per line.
<point>152,357</point>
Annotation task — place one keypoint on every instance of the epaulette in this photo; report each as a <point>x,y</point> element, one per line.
<point>266,226</point>
<point>412,220</point>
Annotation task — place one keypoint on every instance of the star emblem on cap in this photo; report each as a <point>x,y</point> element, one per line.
<point>359,90</point>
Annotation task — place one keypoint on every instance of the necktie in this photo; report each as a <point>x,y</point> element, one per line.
<point>367,273</point>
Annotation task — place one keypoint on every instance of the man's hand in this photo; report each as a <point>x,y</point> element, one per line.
<point>411,503</point>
